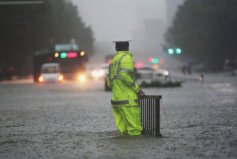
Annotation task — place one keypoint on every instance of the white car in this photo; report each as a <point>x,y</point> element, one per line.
<point>97,72</point>
<point>144,74</point>
<point>50,72</point>
<point>161,78</point>
<point>160,75</point>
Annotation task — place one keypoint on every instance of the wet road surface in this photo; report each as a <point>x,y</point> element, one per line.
<point>70,120</point>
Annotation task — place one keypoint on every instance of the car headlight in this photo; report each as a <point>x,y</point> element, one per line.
<point>166,73</point>
<point>98,73</point>
<point>95,73</point>
<point>41,79</point>
<point>60,77</point>
<point>81,77</point>
<point>101,73</point>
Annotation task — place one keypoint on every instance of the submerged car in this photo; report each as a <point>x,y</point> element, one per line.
<point>161,78</point>
<point>161,75</point>
<point>50,72</point>
<point>144,74</point>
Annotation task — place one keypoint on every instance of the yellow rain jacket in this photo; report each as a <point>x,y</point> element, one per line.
<point>124,99</point>
<point>121,74</point>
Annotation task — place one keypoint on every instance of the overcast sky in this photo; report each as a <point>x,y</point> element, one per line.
<point>115,19</point>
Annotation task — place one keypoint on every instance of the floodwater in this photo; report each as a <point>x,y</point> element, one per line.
<point>70,120</point>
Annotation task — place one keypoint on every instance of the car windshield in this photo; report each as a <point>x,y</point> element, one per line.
<point>50,69</point>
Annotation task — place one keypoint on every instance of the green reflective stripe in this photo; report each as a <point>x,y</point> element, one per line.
<point>119,106</point>
<point>136,100</point>
<point>130,72</point>
<point>126,70</point>
<point>115,77</point>
<point>119,102</point>
<point>117,71</point>
<point>122,102</point>
<point>119,62</point>
<point>121,58</point>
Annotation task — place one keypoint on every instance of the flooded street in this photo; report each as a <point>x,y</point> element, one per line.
<point>70,120</point>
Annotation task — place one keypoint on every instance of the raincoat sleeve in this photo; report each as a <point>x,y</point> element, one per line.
<point>127,73</point>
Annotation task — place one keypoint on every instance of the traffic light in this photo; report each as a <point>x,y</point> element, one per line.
<point>63,55</point>
<point>154,60</point>
<point>175,50</point>
<point>170,51</point>
<point>178,51</point>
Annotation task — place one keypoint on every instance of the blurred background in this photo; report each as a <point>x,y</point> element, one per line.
<point>176,35</point>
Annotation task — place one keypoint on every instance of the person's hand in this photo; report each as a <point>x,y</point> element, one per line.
<point>141,93</point>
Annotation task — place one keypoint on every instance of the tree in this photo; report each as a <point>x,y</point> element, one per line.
<point>206,31</point>
<point>24,29</point>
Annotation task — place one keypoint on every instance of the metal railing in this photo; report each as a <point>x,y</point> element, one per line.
<point>150,115</point>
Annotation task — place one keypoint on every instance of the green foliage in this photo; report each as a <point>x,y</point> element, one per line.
<point>25,29</point>
<point>206,31</point>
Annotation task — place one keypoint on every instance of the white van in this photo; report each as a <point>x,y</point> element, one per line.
<point>50,72</point>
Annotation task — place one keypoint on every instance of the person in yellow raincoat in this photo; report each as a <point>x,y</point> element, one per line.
<point>126,92</point>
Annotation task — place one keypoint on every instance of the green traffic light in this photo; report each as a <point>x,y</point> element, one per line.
<point>63,55</point>
<point>178,51</point>
<point>170,51</point>
<point>155,60</point>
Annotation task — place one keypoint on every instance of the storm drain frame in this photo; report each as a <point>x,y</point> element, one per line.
<point>150,115</point>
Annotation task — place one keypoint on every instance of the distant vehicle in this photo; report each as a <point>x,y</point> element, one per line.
<point>50,72</point>
<point>161,78</point>
<point>102,72</point>
<point>144,74</point>
<point>72,60</point>
<point>106,69</point>
<point>160,75</point>
<point>97,72</point>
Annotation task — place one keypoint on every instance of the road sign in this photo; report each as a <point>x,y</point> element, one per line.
<point>66,47</point>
